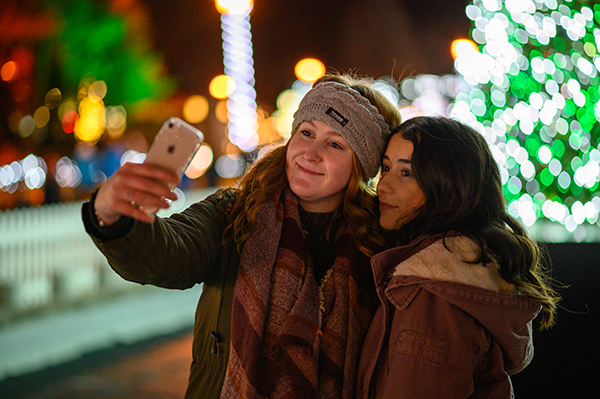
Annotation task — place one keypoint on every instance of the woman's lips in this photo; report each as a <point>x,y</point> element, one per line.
<point>308,171</point>
<point>384,206</point>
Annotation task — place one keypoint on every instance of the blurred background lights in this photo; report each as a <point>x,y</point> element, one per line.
<point>267,130</point>
<point>26,126</point>
<point>234,6</point>
<point>97,89</point>
<point>65,106</point>
<point>309,70</point>
<point>195,108</point>
<point>287,103</point>
<point>92,119</point>
<point>388,90</point>
<point>8,71</point>
<point>221,111</point>
<point>67,173</point>
<point>174,206</point>
<point>200,163</point>
<point>116,121</point>
<point>52,98</point>
<point>463,48</point>
<point>41,116</point>
<point>132,156</point>
<point>31,171</point>
<point>288,99</point>
<point>222,86</point>
<point>68,121</point>
<point>532,91</point>
<point>527,79</point>
<point>230,166</point>
<point>239,65</point>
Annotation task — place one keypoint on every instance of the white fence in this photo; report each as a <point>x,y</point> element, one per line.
<point>47,258</point>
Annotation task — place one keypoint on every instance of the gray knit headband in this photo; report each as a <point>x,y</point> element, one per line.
<point>352,116</point>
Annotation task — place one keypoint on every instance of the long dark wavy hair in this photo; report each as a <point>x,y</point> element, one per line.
<point>455,169</point>
<point>358,212</point>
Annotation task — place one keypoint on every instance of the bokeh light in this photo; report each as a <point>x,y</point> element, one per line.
<point>41,116</point>
<point>92,119</point>
<point>133,157</point>
<point>462,47</point>
<point>67,173</point>
<point>116,121</point>
<point>97,89</point>
<point>68,121</point>
<point>230,166</point>
<point>235,7</point>
<point>52,98</point>
<point>222,86</point>
<point>195,108</point>
<point>26,126</point>
<point>200,163</point>
<point>221,111</point>
<point>533,93</point>
<point>309,69</point>
<point>31,171</point>
<point>8,71</point>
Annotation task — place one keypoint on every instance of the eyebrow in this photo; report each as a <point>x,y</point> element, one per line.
<point>400,160</point>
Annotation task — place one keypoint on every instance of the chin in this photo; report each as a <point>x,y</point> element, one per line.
<point>386,225</point>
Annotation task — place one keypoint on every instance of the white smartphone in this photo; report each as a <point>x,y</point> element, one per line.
<point>174,147</point>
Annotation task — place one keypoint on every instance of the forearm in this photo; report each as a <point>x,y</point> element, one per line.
<point>176,252</point>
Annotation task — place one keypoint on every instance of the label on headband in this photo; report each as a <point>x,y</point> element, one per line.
<point>342,120</point>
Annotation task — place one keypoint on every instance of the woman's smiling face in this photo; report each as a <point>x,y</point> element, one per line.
<point>400,196</point>
<point>318,166</point>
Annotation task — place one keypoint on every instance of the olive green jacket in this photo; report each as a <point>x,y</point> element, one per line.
<point>179,252</point>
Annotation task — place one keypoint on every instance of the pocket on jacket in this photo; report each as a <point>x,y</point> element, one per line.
<point>422,345</point>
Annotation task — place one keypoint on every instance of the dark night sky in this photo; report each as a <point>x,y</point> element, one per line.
<point>374,38</point>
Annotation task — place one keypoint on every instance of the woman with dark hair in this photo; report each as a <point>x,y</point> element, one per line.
<point>284,258</point>
<point>462,286</point>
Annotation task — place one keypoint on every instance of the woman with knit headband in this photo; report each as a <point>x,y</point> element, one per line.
<point>288,294</point>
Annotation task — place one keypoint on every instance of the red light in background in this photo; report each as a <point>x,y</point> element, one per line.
<point>9,71</point>
<point>68,121</point>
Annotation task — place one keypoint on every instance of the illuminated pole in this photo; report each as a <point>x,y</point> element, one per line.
<point>238,62</point>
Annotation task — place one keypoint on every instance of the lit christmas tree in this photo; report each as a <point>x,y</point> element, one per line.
<point>533,93</point>
<point>93,43</point>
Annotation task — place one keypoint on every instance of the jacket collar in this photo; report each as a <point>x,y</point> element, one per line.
<point>382,262</point>
<point>451,259</point>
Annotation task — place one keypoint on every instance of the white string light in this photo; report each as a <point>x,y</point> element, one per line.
<point>239,65</point>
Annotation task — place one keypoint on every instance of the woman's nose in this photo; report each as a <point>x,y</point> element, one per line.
<point>383,185</point>
<point>312,152</point>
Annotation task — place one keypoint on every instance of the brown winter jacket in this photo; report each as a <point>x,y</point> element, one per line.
<point>446,328</point>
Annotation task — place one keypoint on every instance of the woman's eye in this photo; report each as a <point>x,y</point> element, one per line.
<point>406,173</point>
<point>385,168</point>
<point>305,133</point>
<point>336,145</point>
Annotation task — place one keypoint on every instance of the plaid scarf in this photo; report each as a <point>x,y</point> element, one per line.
<point>291,338</point>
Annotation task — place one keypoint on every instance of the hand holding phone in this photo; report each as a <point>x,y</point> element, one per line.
<point>174,148</point>
<point>138,191</point>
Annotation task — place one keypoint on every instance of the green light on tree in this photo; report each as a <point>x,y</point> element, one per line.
<point>92,43</point>
<point>534,95</point>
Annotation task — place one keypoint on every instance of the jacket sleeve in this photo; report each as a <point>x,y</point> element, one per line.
<point>434,351</point>
<point>175,252</point>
